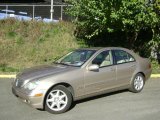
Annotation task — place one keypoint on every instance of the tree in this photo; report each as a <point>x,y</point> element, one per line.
<point>137,15</point>
<point>94,17</point>
<point>155,42</point>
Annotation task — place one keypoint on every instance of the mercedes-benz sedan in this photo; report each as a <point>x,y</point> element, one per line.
<point>81,74</point>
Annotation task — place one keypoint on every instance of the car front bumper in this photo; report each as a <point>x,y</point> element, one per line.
<point>36,102</point>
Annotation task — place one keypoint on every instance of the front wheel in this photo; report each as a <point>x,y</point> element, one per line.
<point>137,83</point>
<point>58,100</point>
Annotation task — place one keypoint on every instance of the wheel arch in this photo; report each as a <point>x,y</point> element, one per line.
<point>139,72</point>
<point>142,74</point>
<point>68,86</point>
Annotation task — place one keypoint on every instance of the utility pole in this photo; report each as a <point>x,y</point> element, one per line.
<point>52,10</point>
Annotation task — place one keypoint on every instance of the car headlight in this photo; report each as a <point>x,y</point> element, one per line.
<point>31,85</point>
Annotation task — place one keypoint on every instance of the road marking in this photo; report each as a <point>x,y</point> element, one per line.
<point>7,76</point>
<point>14,76</point>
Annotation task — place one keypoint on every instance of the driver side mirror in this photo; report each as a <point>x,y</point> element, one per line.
<point>93,67</point>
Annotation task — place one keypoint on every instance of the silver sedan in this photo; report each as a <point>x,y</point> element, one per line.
<point>81,74</point>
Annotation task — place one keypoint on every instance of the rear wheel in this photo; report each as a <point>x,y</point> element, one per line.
<point>58,100</point>
<point>137,83</point>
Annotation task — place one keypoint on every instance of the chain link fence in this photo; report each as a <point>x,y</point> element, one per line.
<point>35,11</point>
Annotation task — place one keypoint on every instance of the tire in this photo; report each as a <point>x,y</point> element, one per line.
<point>58,100</point>
<point>137,83</point>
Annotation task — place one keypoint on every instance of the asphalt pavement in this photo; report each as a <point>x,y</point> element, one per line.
<point>122,105</point>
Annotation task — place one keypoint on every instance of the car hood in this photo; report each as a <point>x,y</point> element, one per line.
<point>42,71</point>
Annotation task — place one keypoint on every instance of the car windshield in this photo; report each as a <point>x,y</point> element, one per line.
<point>76,58</point>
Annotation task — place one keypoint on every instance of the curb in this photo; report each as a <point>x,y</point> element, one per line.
<point>7,76</point>
<point>14,76</point>
<point>155,75</point>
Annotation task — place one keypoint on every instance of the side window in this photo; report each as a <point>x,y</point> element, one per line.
<point>123,57</point>
<point>103,59</point>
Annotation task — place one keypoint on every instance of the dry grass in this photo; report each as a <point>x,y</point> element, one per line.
<point>26,44</point>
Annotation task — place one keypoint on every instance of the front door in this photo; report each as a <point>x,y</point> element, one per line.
<point>104,78</point>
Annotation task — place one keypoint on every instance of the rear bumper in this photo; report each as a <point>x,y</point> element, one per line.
<point>36,102</point>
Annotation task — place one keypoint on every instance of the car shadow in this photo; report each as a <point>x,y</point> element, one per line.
<point>92,98</point>
<point>96,97</point>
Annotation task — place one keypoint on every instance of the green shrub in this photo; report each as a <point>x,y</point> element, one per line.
<point>155,67</point>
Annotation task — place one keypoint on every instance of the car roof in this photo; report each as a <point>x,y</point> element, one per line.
<point>102,48</point>
<point>91,48</point>
<point>110,48</point>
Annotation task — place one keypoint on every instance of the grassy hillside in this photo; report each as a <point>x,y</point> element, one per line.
<point>25,44</point>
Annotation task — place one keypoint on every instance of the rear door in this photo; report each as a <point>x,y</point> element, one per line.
<point>125,66</point>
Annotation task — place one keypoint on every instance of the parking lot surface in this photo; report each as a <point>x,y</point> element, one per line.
<point>122,105</point>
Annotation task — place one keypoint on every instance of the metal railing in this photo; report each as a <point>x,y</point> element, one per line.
<point>36,11</point>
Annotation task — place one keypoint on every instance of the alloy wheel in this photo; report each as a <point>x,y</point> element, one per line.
<point>57,100</point>
<point>138,83</point>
